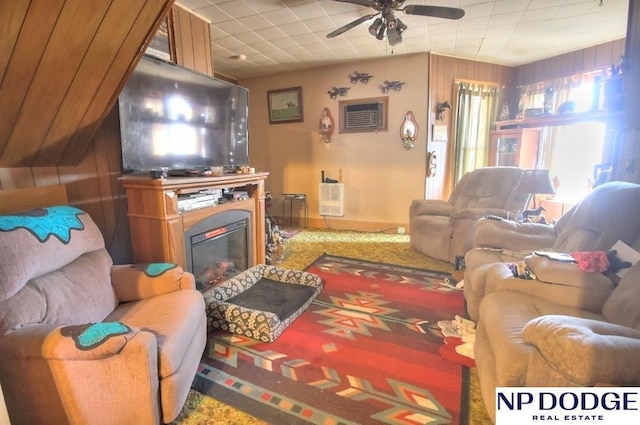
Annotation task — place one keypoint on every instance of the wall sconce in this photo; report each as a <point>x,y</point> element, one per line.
<point>440,108</point>
<point>327,125</point>
<point>338,91</point>
<point>409,130</point>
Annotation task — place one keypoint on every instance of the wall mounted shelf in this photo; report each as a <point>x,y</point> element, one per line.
<point>551,120</point>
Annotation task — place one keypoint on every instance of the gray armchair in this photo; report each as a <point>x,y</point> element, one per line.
<point>444,229</point>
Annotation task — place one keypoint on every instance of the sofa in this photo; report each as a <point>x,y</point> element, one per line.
<point>444,229</point>
<point>607,214</point>
<point>558,324</point>
<point>83,341</point>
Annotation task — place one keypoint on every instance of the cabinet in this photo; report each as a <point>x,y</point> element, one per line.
<point>516,147</point>
<point>158,227</point>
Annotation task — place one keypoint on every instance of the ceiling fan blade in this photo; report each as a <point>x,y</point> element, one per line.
<point>435,11</point>
<point>350,25</point>
<point>367,3</point>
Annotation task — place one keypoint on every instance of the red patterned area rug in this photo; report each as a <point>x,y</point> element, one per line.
<point>366,351</point>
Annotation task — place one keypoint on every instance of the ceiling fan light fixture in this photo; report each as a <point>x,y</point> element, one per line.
<point>401,26</point>
<point>394,37</point>
<point>387,25</point>
<point>375,26</point>
<point>392,24</point>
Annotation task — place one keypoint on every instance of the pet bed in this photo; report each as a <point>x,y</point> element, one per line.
<point>261,302</point>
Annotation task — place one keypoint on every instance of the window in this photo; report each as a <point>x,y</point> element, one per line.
<point>571,152</point>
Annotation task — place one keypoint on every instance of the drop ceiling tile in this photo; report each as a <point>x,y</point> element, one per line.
<point>280,17</point>
<point>262,6</point>
<point>229,42</point>
<point>237,8</point>
<point>306,39</point>
<point>214,15</point>
<point>270,34</point>
<point>487,24</point>
<point>509,6</point>
<point>249,38</point>
<point>322,23</point>
<point>308,11</point>
<point>540,15</point>
<point>293,29</point>
<point>254,22</point>
<point>232,27</point>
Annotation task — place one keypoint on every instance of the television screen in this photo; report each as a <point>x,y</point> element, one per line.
<point>177,118</point>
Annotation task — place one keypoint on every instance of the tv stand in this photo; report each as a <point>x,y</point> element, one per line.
<point>158,228</point>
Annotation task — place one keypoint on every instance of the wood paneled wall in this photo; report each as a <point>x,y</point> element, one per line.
<point>589,59</point>
<point>443,71</point>
<point>63,65</point>
<point>192,41</point>
<point>93,181</point>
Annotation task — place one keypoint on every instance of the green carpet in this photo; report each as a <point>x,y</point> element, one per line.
<point>301,250</point>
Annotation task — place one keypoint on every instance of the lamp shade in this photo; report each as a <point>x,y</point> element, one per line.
<point>536,181</point>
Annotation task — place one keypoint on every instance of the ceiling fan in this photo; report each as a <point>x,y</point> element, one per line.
<point>387,24</point>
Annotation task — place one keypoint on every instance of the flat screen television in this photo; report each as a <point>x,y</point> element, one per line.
<point>175,118</point>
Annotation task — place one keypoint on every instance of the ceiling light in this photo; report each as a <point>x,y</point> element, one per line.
<point>401,26</point>
<point>373,28</point>
<point>380,35</point>
<point>394,37</point>
<point>391,24</point>
<point>238,58</point>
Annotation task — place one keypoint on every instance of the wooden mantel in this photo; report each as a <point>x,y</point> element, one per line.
<point>157,227</point>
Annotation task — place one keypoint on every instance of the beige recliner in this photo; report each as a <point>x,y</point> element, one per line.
<point>608,214</point>
<point>83,341</point>
<point>444,229</point>
<point>567,326</point>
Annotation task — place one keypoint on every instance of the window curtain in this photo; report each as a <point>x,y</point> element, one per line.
<point>477,107</point>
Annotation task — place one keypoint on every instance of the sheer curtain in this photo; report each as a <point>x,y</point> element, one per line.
<point>477,106</point>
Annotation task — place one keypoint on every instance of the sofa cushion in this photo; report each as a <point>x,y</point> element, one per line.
<point>623,305</point>
<point>504,315</point>
<point>490,187</point>
<point>567,274</point>
<point>172,318</point>
<point>77,293</point>
<point>594,225</point>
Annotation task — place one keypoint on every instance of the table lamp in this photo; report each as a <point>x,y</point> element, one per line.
<point>536,182</point>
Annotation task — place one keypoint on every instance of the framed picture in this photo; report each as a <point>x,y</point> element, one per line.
<point>285,105</point>
<point>161,45</point>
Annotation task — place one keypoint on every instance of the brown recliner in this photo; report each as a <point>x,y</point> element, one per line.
<point>444,229</point>
<point>83,341</point>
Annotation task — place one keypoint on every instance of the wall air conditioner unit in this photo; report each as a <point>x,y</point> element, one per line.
<point>332,199</point>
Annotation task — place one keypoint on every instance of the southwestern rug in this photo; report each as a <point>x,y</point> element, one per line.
<point>368,350</point>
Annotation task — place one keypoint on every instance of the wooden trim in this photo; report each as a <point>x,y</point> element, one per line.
<point>15,200</point>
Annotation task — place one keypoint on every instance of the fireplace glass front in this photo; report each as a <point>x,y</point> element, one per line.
<point>219,253</point>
